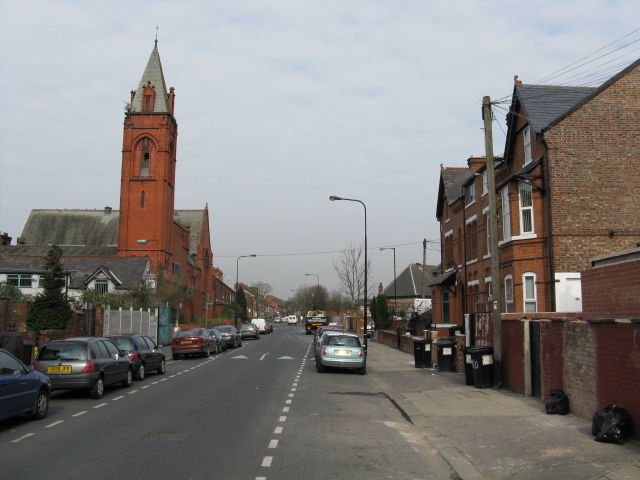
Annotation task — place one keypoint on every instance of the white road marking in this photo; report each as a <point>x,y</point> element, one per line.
<point>22,437</point>
<point>262,357</point>
<point>117,398</point>
<point>288,401</point>
<point>240,356</point>
<point>267,461</point>
<point>283,419</point>
<point>146,386</point>
<point>132,391</point>
<point>273,444</point>
<point>78,414</point>
<point>278,430</point>
<point>292,394</point>
<point>285,409</point>
<point>54,424</point>
<point>100,406</point>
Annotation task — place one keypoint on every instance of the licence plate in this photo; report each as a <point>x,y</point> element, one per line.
<point>59,369</point>
<point>343,352</point>
<point>185,342</point>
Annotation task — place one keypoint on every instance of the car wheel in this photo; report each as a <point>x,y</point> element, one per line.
<point>207,354</point>
<point>140,373</point>
<point>161,369</point>
<point>176,356</point>
<point>362,370</point>
<point>42,405</point>
<point>97,391</point>
<point>128,380</point>
<point>320,367</point>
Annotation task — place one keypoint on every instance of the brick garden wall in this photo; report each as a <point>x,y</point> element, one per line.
<point>513,354</point>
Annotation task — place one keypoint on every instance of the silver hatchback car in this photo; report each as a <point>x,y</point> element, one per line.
<point>84,363</point>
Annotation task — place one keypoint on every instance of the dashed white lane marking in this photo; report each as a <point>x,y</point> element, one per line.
<point>117,398</point>
<point>54,424</point>
<point>278,430</point>
<point>285,409</point>
<point>293,389</point>
<point>267,461</point>
<point>283,419</point>
<point>100,406</point>
<point>22,437</point>
<point>291,394</point>
<point>261,478</point>
<point>273,444</point>
<point>79,413</point>
<point>146,386</point>
<point>132,391</point>
<point>288,402</point>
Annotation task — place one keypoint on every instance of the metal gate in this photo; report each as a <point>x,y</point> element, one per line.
<point>166,322</point>
<point>536,374</point>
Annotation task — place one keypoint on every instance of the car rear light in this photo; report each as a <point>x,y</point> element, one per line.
<point>133,356</point>
<point>89,367</point>
<point>361,354</point>
<point>199,341</point>
<point>324,351</point>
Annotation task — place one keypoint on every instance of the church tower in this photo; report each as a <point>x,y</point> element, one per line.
<point>148,170</point>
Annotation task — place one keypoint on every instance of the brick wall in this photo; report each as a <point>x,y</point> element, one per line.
<point>552,354</point>
<point>579,371</point>
<point>513,354</point>
<point>620,281</point>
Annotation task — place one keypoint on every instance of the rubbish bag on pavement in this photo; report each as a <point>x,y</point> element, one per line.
<point>558,402</point>
<point>611,424</point>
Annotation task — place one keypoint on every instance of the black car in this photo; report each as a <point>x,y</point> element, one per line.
<point>143,352</point>
<point>231,335</point>
<point>221,343</point>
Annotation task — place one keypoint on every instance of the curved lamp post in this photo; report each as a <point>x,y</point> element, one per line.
<point>236,295</point>
<point>333,198</point>
<point>317,305</point>
<point>395,280</point>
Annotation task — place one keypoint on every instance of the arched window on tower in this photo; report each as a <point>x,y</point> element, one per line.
<point>145,157</point>
<point>142,199</point>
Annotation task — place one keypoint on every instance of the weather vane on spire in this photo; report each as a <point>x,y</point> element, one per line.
<point>157,33</point>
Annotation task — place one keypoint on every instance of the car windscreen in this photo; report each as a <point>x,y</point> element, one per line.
<point>342,341</point>
<point>225,329</point>
<point>188,333</point>
<point>63,351</point>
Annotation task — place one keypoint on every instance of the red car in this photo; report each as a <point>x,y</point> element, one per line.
<point>196,341</point>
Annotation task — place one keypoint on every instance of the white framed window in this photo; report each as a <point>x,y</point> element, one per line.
<point>529,292</point>
<point>508,294</point>
<point>101,285</point>
<point>471,194</point>
<point>526,208</point>
<point>526,135</point>
<point>506,214</point>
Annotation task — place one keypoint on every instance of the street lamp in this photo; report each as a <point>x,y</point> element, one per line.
<point>333,198</point>
<point>317,305</point>
<point>395,280</point>
<point>237,262</point>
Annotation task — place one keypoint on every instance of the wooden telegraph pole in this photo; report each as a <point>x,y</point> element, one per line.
<point>495,253</point>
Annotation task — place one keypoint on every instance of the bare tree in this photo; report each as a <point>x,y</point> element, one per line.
<point>260,290</point>
<point>350,270</point>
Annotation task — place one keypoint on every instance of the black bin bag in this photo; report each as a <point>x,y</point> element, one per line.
<point>558,402</point>
<point>611,424</point>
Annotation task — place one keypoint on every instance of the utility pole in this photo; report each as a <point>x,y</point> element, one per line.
<point>495,253</point>
<point>424,265</point>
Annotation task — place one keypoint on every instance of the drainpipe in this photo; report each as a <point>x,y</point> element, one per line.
<point>548,225</point>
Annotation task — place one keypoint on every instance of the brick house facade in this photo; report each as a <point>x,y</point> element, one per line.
<point>565,188</point>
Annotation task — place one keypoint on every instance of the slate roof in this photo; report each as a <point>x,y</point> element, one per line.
<point>543,104</point>
<point>409,282</point>
<point>152,73</point>
<point>128,271</point>
<point>194,218</point>
<point>89,228</point>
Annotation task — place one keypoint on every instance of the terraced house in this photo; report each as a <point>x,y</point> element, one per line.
<point>567,191</point>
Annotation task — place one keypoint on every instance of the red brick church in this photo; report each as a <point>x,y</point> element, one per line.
<point>147,224</point>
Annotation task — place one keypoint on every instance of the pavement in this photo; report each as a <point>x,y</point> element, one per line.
<point>496,434</point>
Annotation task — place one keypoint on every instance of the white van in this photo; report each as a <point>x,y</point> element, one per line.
<point>261,324</point>
<point>292,320</point>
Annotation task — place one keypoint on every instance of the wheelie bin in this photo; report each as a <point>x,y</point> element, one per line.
<point>422,352</point>
<point>446,355</point>
<point>468,365</point>
<point>482,358</point>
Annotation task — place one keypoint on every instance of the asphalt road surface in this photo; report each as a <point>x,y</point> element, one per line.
<point>257,412</point>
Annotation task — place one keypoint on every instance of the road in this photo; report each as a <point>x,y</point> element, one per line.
<point>258,412</point>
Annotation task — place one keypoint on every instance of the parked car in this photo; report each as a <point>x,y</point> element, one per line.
<point>268,326</point>
<point>231,335</point>
<point>144,354</point>
<point>195,341</point>
<point>90,363</point>
<point>249,330</point>
<point>320,330</point>
<point>221,343</point>
<point>341,351</point>
<point>22,390</point>
<point>292,320</point>
<point>261,323</point>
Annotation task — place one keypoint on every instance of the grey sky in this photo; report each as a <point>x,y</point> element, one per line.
<point>280,104</point>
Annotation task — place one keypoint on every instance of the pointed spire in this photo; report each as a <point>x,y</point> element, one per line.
<point>153,73</point>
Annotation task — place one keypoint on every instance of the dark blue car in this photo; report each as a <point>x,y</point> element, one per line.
<point>21,389</point>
